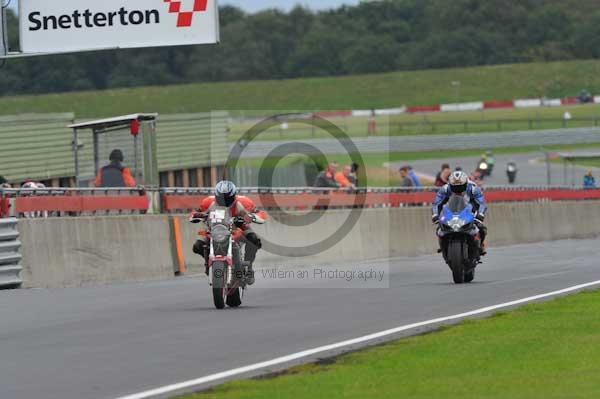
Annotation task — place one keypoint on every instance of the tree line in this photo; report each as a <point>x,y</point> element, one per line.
<point>372,37</point>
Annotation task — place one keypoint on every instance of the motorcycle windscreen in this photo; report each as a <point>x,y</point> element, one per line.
<point>456,204</point>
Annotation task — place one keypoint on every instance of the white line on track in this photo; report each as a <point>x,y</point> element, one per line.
<point>310,352</point>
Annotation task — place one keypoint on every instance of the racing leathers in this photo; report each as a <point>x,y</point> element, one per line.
<point>240,209</point>
<point>475,197</point>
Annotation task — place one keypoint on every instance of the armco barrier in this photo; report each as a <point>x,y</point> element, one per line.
<point>63,252</point>
<point>183,200</point>
<point>10,257</point>
<point>68,202</point>
<point>73,202</point>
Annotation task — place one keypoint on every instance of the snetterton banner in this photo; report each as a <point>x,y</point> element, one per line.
<point>82,25</point>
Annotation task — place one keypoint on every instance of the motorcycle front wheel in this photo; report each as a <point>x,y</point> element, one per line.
<point>456,258</point>
<point>470,276</point>
<point>219,284</point>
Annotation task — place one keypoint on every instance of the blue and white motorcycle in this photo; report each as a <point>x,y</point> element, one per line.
<point>460,242</point>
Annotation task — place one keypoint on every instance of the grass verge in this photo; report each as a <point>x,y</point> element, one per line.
<point>488,121</point>
<point>549,350</point>
<point>502,82</point>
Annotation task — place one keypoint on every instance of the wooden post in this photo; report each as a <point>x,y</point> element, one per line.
<point>200,177</point>
<point>213,175</point>
<point>186,178</point>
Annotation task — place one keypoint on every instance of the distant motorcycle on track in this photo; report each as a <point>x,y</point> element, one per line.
<point>486,165</point>
<point>458,232</point>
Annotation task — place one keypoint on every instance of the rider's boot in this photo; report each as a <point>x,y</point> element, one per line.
<point>206,267</point>
<point>249,274</point>
<point>483,249</point>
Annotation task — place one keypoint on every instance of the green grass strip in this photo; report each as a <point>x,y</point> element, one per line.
<point>549,350</point>
<point>501,82</point>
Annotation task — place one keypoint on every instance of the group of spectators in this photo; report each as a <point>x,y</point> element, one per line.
<point>331,177</point>
<point>409,178</point>
<point>441,178</point>
<point>28,184</point>
<point>5,203</point>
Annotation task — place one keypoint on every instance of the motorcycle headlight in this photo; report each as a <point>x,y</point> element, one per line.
<point>220,234</point>
<point>483,166</point>
<point>456,224</point>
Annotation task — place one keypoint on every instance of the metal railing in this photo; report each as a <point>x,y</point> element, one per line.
<point>85,202</point>
<point>45,202</point>
<point>174,200</point>
<point>398,127</point>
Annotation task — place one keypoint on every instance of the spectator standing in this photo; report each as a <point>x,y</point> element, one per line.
<point>326,179</point>
<point>344,178</point>
<point>115,174</point>
<point>441,179</point>
<point>589,182</point>
<point>414,178</point>
<point>4,202</point>
<point>353,177</point>
<point>34,186</point>
<point>405,180</point>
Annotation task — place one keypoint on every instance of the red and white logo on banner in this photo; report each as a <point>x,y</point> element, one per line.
<point>185,17</point>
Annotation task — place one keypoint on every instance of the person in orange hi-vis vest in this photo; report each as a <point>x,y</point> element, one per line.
<point>115,174</point>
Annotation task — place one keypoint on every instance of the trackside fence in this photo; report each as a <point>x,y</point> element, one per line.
<point>57,202</point>
<point>27,203</point>
<point>176,200</point>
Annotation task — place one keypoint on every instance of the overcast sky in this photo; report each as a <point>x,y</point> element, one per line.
<point>255,5</point>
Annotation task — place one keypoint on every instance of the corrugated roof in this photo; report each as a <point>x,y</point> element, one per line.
<point>111,122</point>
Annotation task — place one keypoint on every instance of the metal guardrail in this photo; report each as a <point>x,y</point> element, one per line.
<point>84,202</point>
<point>33,203</point>
<point>10,257</point>
<point>180,199</point>
<point>475,126</point>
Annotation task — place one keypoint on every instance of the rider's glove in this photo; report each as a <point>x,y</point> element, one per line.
<point>435,219</point>
<point>198,217</point>
<point>480,217</point>
<point>239,221</point>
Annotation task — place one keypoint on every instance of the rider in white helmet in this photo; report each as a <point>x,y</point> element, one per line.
<point>459,183</point>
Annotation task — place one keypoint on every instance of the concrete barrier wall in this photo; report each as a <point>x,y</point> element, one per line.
<point>74,252</point>
<point>382,233</point>
<point>80,251</point>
